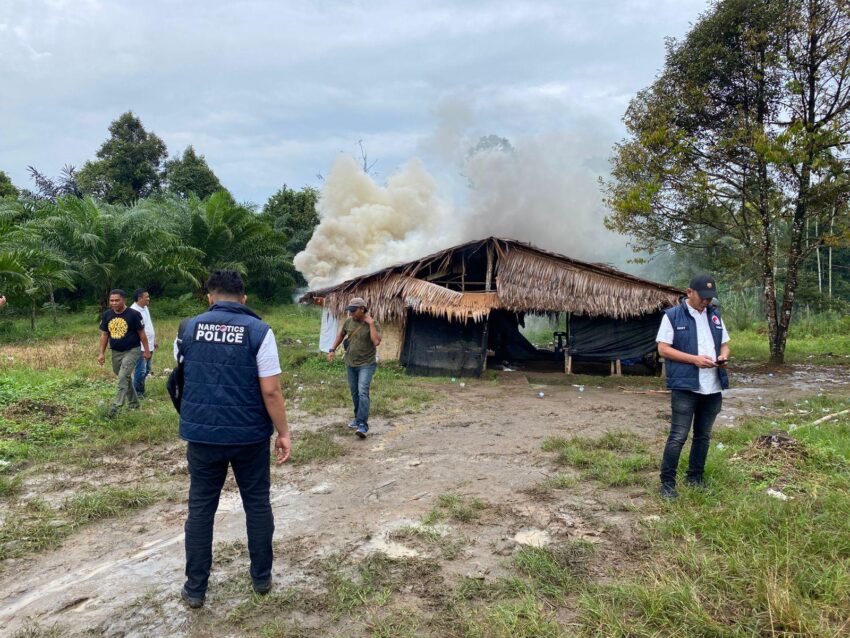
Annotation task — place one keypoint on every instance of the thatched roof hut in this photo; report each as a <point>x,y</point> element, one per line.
<point>472,283</point>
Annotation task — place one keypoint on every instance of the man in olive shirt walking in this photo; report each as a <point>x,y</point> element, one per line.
<point>362,336</point>
<point>124,330</point>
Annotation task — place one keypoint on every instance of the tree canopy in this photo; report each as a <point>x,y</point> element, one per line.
<point>129,164</point>
<point>190,174</point>
<point>7,188</point>
<point>739,148</point>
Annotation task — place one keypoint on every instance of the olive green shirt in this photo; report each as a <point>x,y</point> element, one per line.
<point>361,351</point>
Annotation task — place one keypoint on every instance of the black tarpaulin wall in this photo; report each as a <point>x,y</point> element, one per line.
<point>438,347</point>
<point>605,339</point>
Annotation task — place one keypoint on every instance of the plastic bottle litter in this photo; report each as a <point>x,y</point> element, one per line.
<point>462,384</point>
<point>453,379</point>
<point>777,494</point>
<point>541,395</point>
<point>720,446</point>
<point>581,388</point>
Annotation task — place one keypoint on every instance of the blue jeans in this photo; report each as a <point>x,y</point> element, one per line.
<point>701,410</point>
<point>359,380</point>
<point>207,471</point>
<point>143,369</point>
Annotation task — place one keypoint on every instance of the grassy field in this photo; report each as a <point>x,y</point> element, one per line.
<point>54,398</point>
<point>732,560</point>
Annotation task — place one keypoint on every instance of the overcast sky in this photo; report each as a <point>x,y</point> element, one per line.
<point>271,91</point>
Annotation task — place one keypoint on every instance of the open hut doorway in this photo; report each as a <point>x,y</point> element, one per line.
<point>509,348</point>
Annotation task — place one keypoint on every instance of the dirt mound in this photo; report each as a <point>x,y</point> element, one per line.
<point>774,458</point>
<point>27,408</point>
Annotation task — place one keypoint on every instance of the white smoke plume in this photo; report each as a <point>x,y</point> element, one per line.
<point>365,226</point>
<point>544,191</point>
<point>541,189</point>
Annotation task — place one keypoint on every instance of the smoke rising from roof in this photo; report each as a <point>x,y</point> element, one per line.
<point>539,188</point>
<point>365,226</point>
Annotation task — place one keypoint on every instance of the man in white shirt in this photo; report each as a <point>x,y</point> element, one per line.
<point>694,342</point>
<point>143,367</point>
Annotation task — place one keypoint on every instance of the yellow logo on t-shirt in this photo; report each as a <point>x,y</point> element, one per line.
<point>117,328</point>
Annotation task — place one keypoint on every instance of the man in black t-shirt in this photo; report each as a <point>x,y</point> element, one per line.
<point>124,330</point>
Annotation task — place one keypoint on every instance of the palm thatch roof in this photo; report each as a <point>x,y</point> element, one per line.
<point>520,278</point>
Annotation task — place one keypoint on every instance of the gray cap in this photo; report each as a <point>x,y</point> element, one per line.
<point>354,303</point>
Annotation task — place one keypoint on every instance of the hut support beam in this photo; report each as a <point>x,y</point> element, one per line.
<point>489,282</point>
<point>568,364</point>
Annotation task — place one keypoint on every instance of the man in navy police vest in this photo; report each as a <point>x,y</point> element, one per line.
<point>232,403</point>
<point>695,344</point>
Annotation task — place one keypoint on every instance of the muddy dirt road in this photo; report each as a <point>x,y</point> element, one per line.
<point>122,577</point>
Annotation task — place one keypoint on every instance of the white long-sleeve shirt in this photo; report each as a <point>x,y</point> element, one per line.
<point>149,331</point>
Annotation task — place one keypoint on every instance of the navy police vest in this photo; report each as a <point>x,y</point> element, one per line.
<point>685,376</point>
<point>222,403</point>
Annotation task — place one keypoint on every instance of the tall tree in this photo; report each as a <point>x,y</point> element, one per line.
<point>7,188</point>
<point>190,174</point>
<point>293,213</point>
<point>717,149</point>
<point>129,163</point>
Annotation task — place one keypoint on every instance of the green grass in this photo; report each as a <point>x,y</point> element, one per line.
<point>820,349</point>
<point>455,508</point>
<point>372,581</point>
<point>34,525</point>
<point>310,446</point>
<point>400,623</point>
<point>614,459</point>
<point>106,502</point>
<point>732,561</point>
<point>449,547</point>
<point>557,571</point>
<point>524,617</point>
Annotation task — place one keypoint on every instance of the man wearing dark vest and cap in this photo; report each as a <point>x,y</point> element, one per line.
<point>231,405</point>
<point>694,342</point>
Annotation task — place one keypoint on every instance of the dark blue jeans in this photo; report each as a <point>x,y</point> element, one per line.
<point>207,471</point>
<point>143,369</point>
<point>689,408</point>
<point>359,380</point>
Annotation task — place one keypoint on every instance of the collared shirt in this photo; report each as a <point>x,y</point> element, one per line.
<point>146,315</point>
<point>709,381</point>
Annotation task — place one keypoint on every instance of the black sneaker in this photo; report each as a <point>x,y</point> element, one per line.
<point>263,588</point>
<point>362,429</point>
<point>111,412</point>
<point>668,491</point>
<point>696,483</point>
<point>195,602</point>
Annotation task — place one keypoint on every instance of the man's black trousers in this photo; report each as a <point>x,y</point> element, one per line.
<point>207,471</point>
<point>689,408</point>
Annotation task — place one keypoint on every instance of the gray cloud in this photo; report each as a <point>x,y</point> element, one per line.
<point>272,91</point>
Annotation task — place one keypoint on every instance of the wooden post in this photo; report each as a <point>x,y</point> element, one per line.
<point>619,368</point>
<point>612,369</point>
<point>568,364</point>
<point>489,280</point>
<point>463,274</point>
